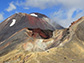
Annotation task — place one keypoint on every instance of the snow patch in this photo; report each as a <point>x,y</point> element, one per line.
<point>13,22</point>
<point>34,15</point>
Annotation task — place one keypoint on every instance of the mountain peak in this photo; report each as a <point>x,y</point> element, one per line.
<point>32,21</point>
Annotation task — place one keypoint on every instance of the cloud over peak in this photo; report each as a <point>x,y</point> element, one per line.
<point>11,7</point>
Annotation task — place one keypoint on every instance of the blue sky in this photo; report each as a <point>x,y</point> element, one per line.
<point>63,12</point>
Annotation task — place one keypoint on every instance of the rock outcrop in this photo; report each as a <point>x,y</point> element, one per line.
<point>30,38</point>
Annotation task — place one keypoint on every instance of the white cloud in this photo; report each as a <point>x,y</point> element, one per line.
<point>59,17</point>
<point>26,8</point>
<point>72,3</point>
<point>11,7</point>
<point>48,3</point>
<point>42,4</point>
<point>1,17</point>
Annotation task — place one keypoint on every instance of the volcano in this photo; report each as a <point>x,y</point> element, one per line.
<point>32,21</point>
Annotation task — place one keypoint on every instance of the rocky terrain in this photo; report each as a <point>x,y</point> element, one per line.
<point>31,38</point>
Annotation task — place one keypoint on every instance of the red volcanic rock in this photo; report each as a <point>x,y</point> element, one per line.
<point>37,20</point>
<point>75,21</point>
<point>43,33</point>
